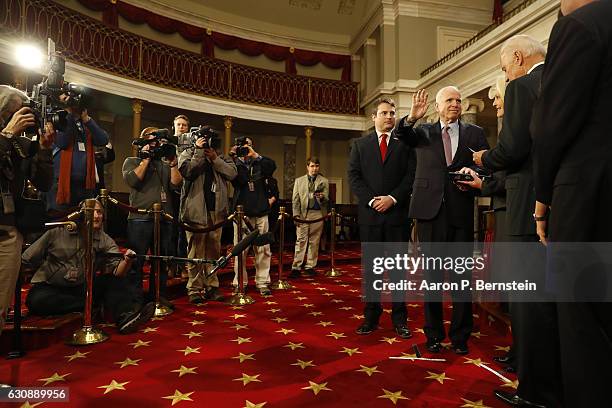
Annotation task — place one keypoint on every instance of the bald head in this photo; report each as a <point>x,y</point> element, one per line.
<point>569,6</point>
<point>518,54</point>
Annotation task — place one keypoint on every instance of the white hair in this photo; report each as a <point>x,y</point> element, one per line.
<point>8,94</point>
<point>446,88</point>
<point>499,88</point>
<point>525,44</point>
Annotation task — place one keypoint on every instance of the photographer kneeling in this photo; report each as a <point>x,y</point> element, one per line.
<point>58,286</point>
<point>204,202</point>
<point>151,178</point>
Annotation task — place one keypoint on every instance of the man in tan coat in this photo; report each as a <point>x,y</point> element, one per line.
<point>310,201</point>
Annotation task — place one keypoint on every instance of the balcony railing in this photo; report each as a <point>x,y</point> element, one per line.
<point>477,37</point>
<point>89,42</point>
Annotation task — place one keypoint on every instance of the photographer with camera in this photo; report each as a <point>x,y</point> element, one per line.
<point>250,190</point>
<point>180,125</point>
<point>204,202</point>
<point>20,160</point>
<point>152,176</point>
<point>74,160</point>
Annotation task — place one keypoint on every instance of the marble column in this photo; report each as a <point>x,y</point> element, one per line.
<point>227,122</point>
<point>289,153</point>
<point>137,106</point>
<point>470,109</point>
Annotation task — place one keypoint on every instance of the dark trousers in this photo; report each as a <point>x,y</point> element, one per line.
<point>78,193</point>
<point>140,240</point>
<point>373,309</point>
<point>110,291</point>
<point>432,234</point>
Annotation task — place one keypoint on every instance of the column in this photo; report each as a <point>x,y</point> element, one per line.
<point>371,66</point>
<point>308,131</point>
<point>136,122</point>
<point>470,108</point>
<point>227,122</point>
<point>106,120</point>
<point>289,153</point>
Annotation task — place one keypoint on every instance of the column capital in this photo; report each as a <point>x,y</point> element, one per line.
<point>472,105</point>
<point>228,122</point>
<point>137,105</point>
<point>308,131</point>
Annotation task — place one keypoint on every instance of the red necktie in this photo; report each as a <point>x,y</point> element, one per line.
<point>383,146</point>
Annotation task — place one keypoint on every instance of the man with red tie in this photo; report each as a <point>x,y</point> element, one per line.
<point>444,210</point>
<point>380,172</point>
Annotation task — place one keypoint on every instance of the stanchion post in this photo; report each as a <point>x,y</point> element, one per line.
<point>333,272</point>
<point>281,284</point>
<point>88,334</point>
<point>240,298</point>
<point>104,201</point>
<point>160,310</point>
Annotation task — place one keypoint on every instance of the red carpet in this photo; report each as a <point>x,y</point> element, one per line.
<point>294,349</point>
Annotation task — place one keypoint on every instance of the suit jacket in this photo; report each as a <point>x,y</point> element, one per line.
<point>432,185</point>
<point>369,177</point>
<point>572,143</point>
<point>300,195</point>
<point>513,152</point>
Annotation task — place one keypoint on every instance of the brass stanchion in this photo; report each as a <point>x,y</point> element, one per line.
<point>104,201</point>
<point>160,310</point>
<point>281,284</point>
<point>88,334</point>
<point>240,298</point>
<point>333,272</point>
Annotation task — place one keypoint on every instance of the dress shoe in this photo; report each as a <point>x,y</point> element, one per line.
<point>165,302</point>
<point>196,299</point>
<point>433,346</point>
<point>510,369</point>
<point>460,349</point>
<point>365,328</point>
<point>294,274</point>
<point>403,331</point>
<point>515,401</point>
<point>265,291</point>
<point>213,293</point>
<point>130,322</point>
<point>310,272</point>
<point>503,359</point>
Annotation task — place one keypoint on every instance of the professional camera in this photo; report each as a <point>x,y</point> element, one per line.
<point>163,145</point>
<point>212,137</point>
<point>242,149</point>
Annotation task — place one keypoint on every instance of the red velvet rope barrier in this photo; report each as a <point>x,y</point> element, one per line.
<point>301,221</point>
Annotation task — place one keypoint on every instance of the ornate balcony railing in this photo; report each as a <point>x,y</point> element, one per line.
<point>89,42</point>
<point>477,37</point>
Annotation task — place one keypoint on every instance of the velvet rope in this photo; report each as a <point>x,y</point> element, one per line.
<point>111,9</point>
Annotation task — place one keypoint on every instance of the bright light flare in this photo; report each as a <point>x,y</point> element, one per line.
<point>29,56</point>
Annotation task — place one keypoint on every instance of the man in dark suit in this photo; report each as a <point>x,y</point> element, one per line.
<point>573,182</point>
<point>380,172</point>
<point>534,325</point>
<point>444,210</point>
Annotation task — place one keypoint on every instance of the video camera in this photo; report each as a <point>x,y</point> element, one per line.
<point>212,137</point>
<point>163,145</point>
<point>242,150</point>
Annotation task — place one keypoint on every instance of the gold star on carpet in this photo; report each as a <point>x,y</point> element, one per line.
<point>475,315</point>
<point>150,329</point>
<point>387,311</point>
<point>344,285</point>
<point>114,385</point>
<point>179,396</point>
<point>393,396</point>
<point>250,404</point>
<point>192,334</point>
<point>307,305</point>
<point>200,312</point>
<point>184,370</point>
<point>188,350</point>
<point>347,308</point>
<point>237,307</point>
<point>274,310</point>
<point>413,305</point>
<point>356,316</point>
<point>512,384</point>
<point>336,336</point>
<point>237,316</point>
<point>321,288</point>
<point>328,294</point>
<point>337,301</point>
<point>324,324</point>
<point>303,364</point>
<point>473,404</point>
<point>316,388</point>
<point>128,362</point>
<point>243,357</point>
<point>54,378</point>
<point>353,290</point>
<point>294,346</point>
<point>196,322</point>
<point>241,340</point>
<point>248,378</point>
<point>475,361</point>
<point>76,355</point>
<point>390,340</point>
<point>419,330</point>
<point>270,302</point>
<point>369,370</point>
<point>315,314</point>
<point>141,343</point>
<point>478,334</point>
<point>279,319</point>
<point>296,292</point>
<point>301,298</point>
<point>502,348</point>
<point>350,351</point>
<point>446,322</point>
<point>240,327</point>
<point>28,405</point>
<point>438,377</point>
<point>286,331</point>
